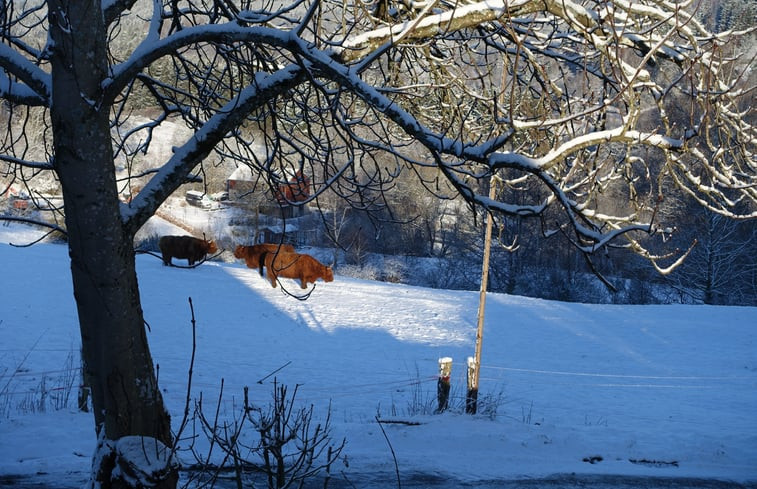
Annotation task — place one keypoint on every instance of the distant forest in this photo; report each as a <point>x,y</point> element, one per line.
<point>439,242</point>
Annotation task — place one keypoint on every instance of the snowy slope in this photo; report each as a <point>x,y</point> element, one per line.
<point>675,386</point>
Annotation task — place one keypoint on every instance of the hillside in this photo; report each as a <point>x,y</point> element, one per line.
<point>665,391</point>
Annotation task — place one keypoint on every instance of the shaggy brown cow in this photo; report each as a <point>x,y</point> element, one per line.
<point>251,254</point>
<point>295,265</point>
<point>193,249</point>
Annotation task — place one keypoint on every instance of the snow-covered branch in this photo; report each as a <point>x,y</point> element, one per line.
<point>185,158</point>
<point>153,49</point>
<point>461,17</point>
<point>33,87</point>
<point>113,8</point>
<point>573,99</point>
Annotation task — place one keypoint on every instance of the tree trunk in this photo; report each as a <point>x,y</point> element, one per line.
<point>117,362</point>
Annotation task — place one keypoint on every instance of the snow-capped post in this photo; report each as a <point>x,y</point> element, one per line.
<point>471,398</point>
<point>442,385</point>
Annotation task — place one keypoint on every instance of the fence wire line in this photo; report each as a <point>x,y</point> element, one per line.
<point>36,350</point>
<point>349,390</point>
<point>45,373</point>
<point>634,385</point>
<point>36,391</point>
<point>617,376</point>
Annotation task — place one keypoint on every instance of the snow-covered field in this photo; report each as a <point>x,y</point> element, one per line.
<point>667,391</point>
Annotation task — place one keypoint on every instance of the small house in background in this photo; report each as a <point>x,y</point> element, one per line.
<point>297,189</point>
<point>242,187</point>
<point>240,184</point>
<point>18,199</point>
<point>290,233</point>
<point>280,234</point>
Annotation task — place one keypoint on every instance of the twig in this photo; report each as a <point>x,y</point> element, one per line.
<point>280,368</point>
<point>51,228</point>
<point>398,421</point>
<point>394,456</point>
<point>185,418</point>
<point>13,375</point>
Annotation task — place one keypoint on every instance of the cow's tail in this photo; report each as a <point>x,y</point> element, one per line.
<point>261,262</point>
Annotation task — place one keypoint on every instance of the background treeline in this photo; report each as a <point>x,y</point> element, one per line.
<point>412,236</point>
<point>420,240</point>
<point>441,246</point>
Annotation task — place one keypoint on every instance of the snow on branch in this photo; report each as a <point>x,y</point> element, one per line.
<point>186,157</point>
<point>549,91</point>
<point>34,87</point>
<point>459,18</point>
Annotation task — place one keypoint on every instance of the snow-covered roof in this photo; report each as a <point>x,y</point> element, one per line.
<point>289,228</point>
<point>242,173</point>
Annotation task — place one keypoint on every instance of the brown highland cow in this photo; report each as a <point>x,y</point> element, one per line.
<point>193,249</point>
<point>294,265</point>
<point>251,254</point>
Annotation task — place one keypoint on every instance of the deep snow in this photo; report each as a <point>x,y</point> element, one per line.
<point>672,385</point>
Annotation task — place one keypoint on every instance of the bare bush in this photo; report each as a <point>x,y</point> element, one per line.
<point>280,444</point>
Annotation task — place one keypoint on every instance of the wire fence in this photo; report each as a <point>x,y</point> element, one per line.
<point>28,390</point>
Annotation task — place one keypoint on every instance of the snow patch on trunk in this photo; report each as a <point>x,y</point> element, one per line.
<point>137,461</point>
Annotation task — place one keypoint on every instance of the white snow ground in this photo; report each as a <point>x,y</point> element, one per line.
<point>675,386</point>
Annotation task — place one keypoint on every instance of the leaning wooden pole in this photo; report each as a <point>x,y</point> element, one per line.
<point>471,400</point>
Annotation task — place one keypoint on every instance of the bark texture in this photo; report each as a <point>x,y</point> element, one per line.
<point>116,357</point>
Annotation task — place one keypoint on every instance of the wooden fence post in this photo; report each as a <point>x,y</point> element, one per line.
<point>442,385</point>
<point>471,398</point>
